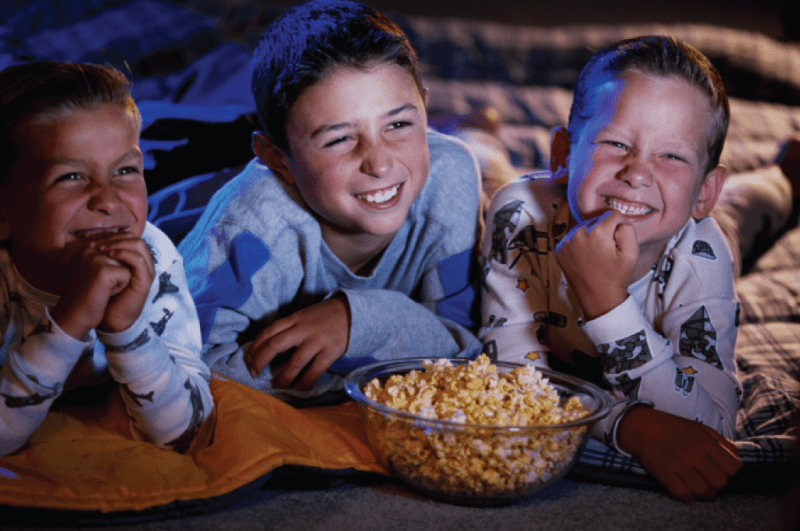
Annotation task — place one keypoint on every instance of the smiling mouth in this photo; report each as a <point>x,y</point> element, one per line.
<point>98,233</point>
<point>380,196</point>
<point>626,208</point>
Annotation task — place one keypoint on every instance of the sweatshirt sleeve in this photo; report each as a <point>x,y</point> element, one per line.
<point>157,361</point>
<point>388,324</point>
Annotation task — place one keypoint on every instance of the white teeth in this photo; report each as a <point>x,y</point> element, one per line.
<point>628,209</point>
<point>91,234</point>
<point>380,197</point>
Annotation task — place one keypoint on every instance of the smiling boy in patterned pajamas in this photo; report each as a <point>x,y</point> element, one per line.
<point>609,267</point>
<point>89,288</point>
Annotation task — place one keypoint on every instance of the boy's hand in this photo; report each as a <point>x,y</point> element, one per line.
<point>689,459</point>
<point>125,306</point>
<point>91,280</point>
<point>319,333</point>
<point>598,258</point>
<point>107,285</point>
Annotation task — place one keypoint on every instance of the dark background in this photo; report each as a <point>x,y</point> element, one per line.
<point>776,18</point>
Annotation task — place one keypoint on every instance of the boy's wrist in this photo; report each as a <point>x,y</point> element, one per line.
<point>596,299</point>
<point>70,323</point>
<point>602,311</point>
<point>598,306</point>
<point>632,426</point>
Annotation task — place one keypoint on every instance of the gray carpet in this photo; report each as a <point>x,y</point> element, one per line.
<point>568,505</point>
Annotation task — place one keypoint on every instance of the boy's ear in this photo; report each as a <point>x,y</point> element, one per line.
<point>709,192</point>
<point>559,155</point>
<point>268,153</point>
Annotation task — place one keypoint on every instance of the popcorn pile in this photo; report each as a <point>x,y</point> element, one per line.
<point>475,460</point>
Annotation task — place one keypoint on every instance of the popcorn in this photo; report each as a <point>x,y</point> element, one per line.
<point>473,457</point>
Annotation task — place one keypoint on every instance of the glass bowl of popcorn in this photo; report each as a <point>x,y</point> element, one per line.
<point>475,432</point>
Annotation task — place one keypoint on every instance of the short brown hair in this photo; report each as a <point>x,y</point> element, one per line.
<point>662,56</point>
<point>45,90</point>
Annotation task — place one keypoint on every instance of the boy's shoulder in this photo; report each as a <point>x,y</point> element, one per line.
<point>702,253</point>
<point>256,185</point>
<point>161,247</point>
<point>453,184</point>
<point>254,213</point>
<point>534,193</point>
<point>703,240</point>
<point>255,200</point>
<point>451,160</point>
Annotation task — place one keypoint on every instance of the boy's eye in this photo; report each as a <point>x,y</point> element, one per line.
<point>614,143</point>
<point>336,141</point>
<point>128,169</point>
<point>399,124</point>
<point>672,156</point>
<point>69,177</point>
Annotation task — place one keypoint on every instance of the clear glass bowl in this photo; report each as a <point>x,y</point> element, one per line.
<point>468,464</point>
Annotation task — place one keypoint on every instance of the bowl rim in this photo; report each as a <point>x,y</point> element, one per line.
<point>407,364</point>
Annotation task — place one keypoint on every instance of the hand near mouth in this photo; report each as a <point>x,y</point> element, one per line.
<point>125,305</point>
<point>598,257</point>
<point>107,284</point>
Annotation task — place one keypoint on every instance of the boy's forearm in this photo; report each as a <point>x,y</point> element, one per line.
<point>31,378</point>
<point>165,386</point>
<point>647,366</point>
<point>158,363</point>
<point>388,324</point>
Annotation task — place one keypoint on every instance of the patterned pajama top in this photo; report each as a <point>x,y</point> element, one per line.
<point>163,381</point>
<point>669,345</point>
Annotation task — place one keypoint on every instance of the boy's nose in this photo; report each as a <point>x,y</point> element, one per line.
<point>377,159</point>
<point>636,173</point>
<point>103,198</point>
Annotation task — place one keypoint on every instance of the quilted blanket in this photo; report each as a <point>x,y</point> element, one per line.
<point>189,62</point>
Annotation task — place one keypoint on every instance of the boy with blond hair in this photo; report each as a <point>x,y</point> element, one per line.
<point>89,289</point>
<point>610,267</point>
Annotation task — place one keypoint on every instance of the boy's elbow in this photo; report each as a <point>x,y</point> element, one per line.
<point>196,437</point>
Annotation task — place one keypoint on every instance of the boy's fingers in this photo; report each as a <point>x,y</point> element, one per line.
<point>140,265</point>
<point>270,335</point>
<point>726,456</point>
<point>675,484</point>
<point>283,377</point>
<point>604,223</point>
<point>716,476</point>
<point>625,238</point>
<point>689,484</point>
<point>313,372</point>
<point>269,343</point>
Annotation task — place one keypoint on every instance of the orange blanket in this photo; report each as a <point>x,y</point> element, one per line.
<point>83,458</point>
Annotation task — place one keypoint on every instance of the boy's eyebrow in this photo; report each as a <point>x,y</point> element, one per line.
<point>400,109</point>
<point>132,154</point>
<point>343,125</point>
